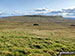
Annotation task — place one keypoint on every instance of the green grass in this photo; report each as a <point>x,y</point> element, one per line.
<point>21,38</point>
<point>18,42</point>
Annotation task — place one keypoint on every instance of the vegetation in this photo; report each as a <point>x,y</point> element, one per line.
<point>18,38</point>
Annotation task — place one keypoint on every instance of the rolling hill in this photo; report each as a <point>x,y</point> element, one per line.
<point>37,18</point>
<point>20,37</point>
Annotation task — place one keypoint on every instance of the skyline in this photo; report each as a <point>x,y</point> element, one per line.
<point>29,7</point>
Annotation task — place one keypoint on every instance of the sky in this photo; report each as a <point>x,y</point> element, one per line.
<point>23,7</point>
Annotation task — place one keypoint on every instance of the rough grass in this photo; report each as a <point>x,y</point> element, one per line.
<point>34,42</point>
<point>24,39</point>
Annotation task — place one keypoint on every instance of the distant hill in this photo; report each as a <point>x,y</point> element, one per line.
<point>37,18</point>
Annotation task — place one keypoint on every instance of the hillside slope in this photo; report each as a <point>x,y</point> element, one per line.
<point>37,18</point>
<point>19,36</point>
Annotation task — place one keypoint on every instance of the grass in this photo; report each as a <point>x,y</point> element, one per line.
<point>47,39</point>
<point>32,42</point>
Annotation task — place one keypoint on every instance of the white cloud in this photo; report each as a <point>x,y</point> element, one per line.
<point>69,12</point>
<point>17,12</point>
<point>72,7</point>
<point>69,16</point>
<point>1,13</point>
<point>42,9</point>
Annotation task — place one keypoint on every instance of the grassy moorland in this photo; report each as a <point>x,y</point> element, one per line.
<point>19,37</point>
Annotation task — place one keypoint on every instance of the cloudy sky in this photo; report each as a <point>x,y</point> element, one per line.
<point>43,7</point>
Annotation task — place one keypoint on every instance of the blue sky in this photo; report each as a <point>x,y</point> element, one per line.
<point>27,6</point>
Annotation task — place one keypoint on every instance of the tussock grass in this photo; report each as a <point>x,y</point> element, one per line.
<point>29,42</point>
